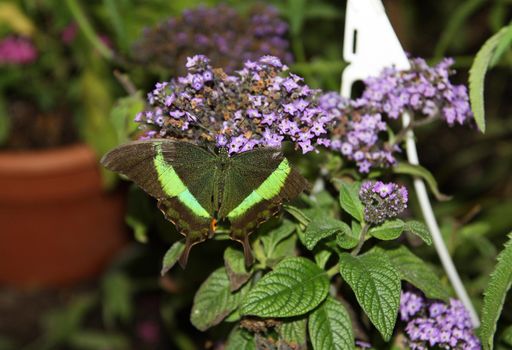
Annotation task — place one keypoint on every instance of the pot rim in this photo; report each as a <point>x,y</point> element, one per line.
<point>61,159</point>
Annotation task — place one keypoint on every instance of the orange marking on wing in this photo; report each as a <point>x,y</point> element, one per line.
<point>213,225</point>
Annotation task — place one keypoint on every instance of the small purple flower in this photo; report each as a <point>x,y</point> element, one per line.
<point>422,89</point>
<point>435,324</point>
<point>363,345</point>
<point>382,201</point>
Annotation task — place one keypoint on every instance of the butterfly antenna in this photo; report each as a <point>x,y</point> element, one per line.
<point>204,128</point>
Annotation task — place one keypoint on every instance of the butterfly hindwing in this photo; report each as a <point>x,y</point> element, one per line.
<point>165,169</point>
<point>272,181</point>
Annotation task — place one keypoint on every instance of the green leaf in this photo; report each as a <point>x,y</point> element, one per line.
<point>5,124</point>
<point>123,113</point>
<point>350,237</point>
<point>7,344</point>
<point>415,271</point>
<point>458,17</point>
<point>214,300</point>
<point>504,44</point>
<point>296,286</point>
<point>172,256</point>
<point>271,239</point>
<point>376,284</point>
<point>235,267</point>
<point>240,339</point>
<point>349,200</point>
<point>477,75</point>
<point>330,327</point>
<point>96,340</point>
<point>284,249</point>
<point>140,230</point>
<point>388,231</point>
<point>421,172</point>
<point>60,324</point>
<point>419,229</point>
<point>494,295</point>
<point>321,228</point>
<point>321,257</point>
<point>506,336</point>
<point>117,298</point>
<point>296,10</point>
<point>292,334</point>
<point>298,214</point>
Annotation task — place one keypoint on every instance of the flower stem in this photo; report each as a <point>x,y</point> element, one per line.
<point>333,271</point>
<point>362,238</point>
<point>88,30</point>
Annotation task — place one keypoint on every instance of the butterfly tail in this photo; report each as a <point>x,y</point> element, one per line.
<point>249,258</point>
<point>184,256</point>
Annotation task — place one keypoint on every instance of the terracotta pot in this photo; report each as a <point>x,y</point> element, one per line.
<point>57,224</point>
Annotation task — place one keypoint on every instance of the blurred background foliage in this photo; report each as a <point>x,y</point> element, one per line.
<point>89,88</point>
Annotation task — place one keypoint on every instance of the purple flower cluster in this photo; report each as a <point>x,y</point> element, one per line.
<point>360,123</point>
<point>221,33</point>
<point>17,50</point>
<point>436,324</point>
<point>357,137</point>
<point>382,201</point>
<point>256,106</point>
<point>422,89</point>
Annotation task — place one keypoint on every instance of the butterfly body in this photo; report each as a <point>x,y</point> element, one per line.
<point>197,188</point>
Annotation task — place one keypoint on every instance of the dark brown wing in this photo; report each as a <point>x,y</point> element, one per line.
<point>256,184</point>
<point>179,174</point>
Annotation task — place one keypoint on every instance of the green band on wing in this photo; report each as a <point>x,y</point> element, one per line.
<point>173,186</point>
<point>267,190</point>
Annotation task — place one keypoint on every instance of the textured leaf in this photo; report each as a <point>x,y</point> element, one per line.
<point>322,257</point>
<point>376,284</point>
<point>388,231</point>
<point>415,271</point>
<point>349,200</point>
<point>330,327</point>
<point>273,238</point>
<point>419,229</point>
<point>494,295</point>
<point>235,267</point>
<point>292,334</point>
<point>423,173</point>
<point>214,300</point>
<point>477,76</point>
<point>296,286</point>
<point>240,339</point>
<point>321,228</point>
<point>350,237</point>
<point>172,256</point>
<point>283,249</point>
<point>297,213</point>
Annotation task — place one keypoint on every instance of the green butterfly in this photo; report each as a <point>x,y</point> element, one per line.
<point>196,188</point>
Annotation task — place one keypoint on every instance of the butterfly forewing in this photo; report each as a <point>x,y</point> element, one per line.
<point>197,168</point>
<point>179,175</point>
<point>256,184</point>
<point>246,172</point>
